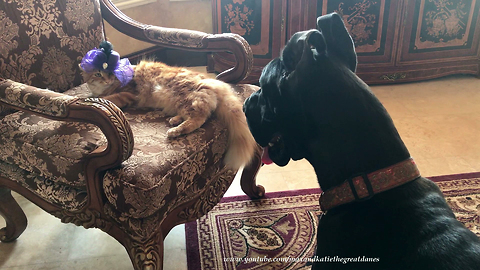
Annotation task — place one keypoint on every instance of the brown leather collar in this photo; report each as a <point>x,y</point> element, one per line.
<point>363,187</point>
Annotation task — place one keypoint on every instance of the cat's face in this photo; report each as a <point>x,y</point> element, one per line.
<point>99,82</point>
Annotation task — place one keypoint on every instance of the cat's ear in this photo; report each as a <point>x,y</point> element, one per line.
<point>80,66</point>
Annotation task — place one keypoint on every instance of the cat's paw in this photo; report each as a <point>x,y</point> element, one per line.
<point>174,132</point>
<point>175,121</point>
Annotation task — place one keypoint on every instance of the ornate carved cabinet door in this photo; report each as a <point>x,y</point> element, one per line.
<point>373,25</point>
<point>260,22</point>
<point>301,15</point>
<point>440,37</point>
<point>395,40</point>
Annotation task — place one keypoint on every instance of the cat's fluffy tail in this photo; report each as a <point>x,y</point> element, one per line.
<point>241,144</point>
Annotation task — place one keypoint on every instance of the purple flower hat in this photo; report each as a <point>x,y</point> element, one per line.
<point>107,60</point>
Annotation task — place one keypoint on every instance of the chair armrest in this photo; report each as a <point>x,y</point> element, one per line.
<point>102,113</point>
<point>186,40</point>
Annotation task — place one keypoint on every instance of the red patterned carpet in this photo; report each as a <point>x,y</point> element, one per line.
<point>278,232</point>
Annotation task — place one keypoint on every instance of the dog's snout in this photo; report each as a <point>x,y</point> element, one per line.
<point>249,100</point>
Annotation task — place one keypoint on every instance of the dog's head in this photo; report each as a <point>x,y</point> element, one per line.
<point>331,37</point>
<point>312,105</point>
<point>276,113</point>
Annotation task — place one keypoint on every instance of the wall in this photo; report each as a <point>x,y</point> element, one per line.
<point>193,15</point>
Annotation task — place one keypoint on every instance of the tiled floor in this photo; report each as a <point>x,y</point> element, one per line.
<point>439,121</point>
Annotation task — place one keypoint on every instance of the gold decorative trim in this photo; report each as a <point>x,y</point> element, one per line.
<point>145,255</point>
<point>358,17</point>
<point>192,39</point>
<point>88,219</point>
<point>249,54</point>
<point>437,26</point>
<point>245,46</point>
<point>118,119</point>
<point>394,76</point>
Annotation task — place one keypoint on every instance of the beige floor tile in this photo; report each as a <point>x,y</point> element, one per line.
<point>443,166</point>
<point>271,181</point>
<point>82,241</point>
<point>110,262</point>
<point>434,144</point>
<point>45,240</point>
<point>300,179</point>
<point>296,165</point>
<point>384,91</point>
<point>396,108</point>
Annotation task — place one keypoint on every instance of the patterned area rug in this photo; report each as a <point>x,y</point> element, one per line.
<point>279,232</point>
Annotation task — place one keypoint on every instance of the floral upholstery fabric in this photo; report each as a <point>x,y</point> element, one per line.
<point>54,150</point>
<point>160,169</point>
<point>70,198</point>
<point>42,42</point>
<point>34,99</point>
<point>161,174</point>
<point>206,190</point>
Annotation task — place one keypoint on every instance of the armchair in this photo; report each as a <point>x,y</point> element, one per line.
<point>84,160</point>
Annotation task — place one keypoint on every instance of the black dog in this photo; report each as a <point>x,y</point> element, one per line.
<point>311,105</point>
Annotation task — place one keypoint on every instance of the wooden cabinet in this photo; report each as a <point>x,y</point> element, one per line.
<point>395,40</point>
<point>260,22</point>
<point>439,38</point>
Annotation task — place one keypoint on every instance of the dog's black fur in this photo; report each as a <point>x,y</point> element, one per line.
<point>311,105</point>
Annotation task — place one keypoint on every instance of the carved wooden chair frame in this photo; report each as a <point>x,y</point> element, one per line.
<point>144,253</point>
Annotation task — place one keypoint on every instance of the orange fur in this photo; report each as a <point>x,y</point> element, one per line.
<point>188,96</point>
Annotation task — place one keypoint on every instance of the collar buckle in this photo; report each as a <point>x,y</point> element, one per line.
<point>368,184</point>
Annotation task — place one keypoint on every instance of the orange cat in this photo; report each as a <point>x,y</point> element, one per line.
<point>186,95</point>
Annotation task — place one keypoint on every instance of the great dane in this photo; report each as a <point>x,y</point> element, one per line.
<point>379,213</point>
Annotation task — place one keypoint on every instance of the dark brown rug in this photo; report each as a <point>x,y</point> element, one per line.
<point>278,232</point>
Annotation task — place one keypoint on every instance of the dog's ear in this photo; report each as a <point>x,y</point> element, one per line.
<point>316,40</point>
<point>338,39</point>
<point>270,77</point>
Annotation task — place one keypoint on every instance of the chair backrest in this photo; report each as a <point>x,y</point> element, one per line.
<point>42,42</point>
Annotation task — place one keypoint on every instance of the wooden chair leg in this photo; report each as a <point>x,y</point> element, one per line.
<point>249,174</point>
<point>14,217</point>
<point>146,255</point>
